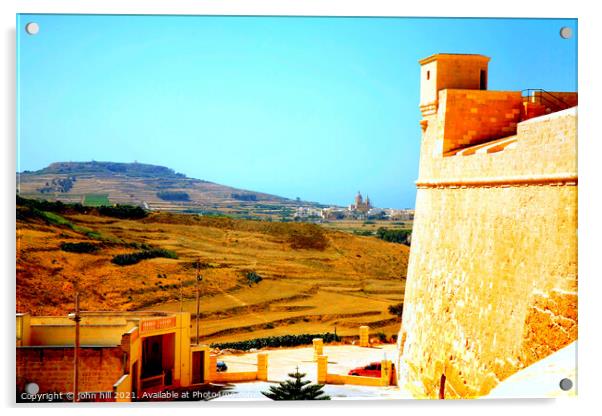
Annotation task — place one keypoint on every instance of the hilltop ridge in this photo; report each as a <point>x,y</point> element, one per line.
<point>95,167</point>
<point>153,187</point>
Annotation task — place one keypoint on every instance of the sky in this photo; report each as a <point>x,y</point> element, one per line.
<point>310,107</point>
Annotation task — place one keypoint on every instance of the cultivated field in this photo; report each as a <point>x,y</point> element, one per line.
<point>312,279</point>
<point>363,226</point>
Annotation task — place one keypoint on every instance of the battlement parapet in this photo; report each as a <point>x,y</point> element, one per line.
<point>542,150</point>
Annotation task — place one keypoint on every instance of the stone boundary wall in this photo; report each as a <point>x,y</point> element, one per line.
<point>387,377</point>
<point>239,376</point>
<point>52,368</point>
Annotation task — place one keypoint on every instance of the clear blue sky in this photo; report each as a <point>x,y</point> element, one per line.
<point>312,107</point>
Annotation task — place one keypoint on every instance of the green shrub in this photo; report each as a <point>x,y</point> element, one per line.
<point>117,211</point>
<point>280,341</point>
<point>296,389</point>
<point>54,206</point>
<point>123,212</point>
<point>173,196</point>
<point>394,236</point>
<point>365,233</point>
<point>253,277</point>
<point>396,309</point>
<point>79,247</point>
<point>133,258</point>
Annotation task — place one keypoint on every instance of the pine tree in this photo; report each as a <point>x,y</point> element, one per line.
<point>296,389</point>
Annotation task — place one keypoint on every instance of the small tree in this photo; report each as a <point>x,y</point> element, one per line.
<point>396,309</point>
<point>296,389</point>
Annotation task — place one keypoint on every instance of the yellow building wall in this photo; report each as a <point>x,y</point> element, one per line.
<point>206,364</point>
<point>23,327</point>
<point>492,276</point>
<point>122,389</point>
<point>54,330</point>
<point>182,353</point>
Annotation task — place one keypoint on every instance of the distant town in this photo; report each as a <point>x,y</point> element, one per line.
<point>360,209</point>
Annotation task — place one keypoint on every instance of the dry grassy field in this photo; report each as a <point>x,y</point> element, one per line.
<point>313,279</point>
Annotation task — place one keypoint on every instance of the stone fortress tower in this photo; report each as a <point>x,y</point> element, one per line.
<point>492,277</point>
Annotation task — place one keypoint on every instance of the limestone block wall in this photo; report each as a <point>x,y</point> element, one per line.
<point>474,116</point>
<point>52,368</point>
<point>492,276</point>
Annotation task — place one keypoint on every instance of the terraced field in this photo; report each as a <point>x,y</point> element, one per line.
<point>141,184</point>
<point>96,200</point>
<point>313,279</point>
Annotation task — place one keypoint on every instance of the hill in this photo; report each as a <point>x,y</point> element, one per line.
<point>260,278</point>
<point>154,187</point>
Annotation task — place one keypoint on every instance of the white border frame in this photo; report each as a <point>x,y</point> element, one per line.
<point>589,170</point>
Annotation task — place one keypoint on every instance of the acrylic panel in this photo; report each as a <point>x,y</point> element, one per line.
<point>295,208</point>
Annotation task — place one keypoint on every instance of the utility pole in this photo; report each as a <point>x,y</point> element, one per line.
<point>77,319</point>
<point>198,297</point>
<point>181,295</point>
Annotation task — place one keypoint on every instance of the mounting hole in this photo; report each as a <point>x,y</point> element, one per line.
<point>32,388</point>
<point>566,384</point>
<point>566,32</point>
<point>32,28</point>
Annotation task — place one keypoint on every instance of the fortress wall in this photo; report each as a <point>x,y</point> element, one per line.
<point>492,277</point>
<point>545,145</point>
<point>477,116</point>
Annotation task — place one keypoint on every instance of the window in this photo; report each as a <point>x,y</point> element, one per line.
<point>428,75</point>
<point>483,80</point>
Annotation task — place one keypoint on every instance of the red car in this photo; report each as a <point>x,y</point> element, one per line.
<point>371,370</point>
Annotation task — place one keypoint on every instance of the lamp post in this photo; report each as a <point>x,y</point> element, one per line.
<point>199,278</point>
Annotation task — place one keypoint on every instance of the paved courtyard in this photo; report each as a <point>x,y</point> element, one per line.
<point>341,359</point>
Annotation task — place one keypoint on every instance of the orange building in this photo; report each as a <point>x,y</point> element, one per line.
<point>124,353</point>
